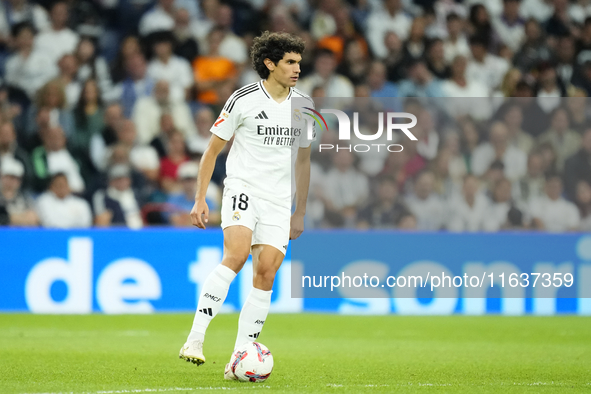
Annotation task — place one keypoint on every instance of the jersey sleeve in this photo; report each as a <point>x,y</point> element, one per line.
<point>228,121</point>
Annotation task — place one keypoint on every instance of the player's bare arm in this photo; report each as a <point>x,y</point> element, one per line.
<point>302,176</point>
<point>200,211</point>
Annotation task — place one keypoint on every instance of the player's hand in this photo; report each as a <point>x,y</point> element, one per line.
<point>296,226</point>
<point>200,214</point>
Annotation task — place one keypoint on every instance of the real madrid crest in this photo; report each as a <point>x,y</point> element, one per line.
<point>297,115</point>
<point>236,216</point>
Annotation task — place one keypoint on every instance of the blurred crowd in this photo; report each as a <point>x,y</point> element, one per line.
<point>520,168</point>
<point>106,106</point>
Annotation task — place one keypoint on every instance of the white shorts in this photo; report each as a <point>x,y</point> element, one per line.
<point>269,222</point>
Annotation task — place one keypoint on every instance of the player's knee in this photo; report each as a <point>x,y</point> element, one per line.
<point>266,275</point>
<point>235,261</point>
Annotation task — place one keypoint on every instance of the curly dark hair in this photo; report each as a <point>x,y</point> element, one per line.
<point>273,46</point>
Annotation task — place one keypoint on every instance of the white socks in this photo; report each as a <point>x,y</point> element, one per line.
<point>253,316</point>
<point>213,294</point>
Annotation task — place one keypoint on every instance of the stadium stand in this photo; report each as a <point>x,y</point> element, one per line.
<point>116,96</point>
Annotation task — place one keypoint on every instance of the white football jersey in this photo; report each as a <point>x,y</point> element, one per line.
<point>267,136</point>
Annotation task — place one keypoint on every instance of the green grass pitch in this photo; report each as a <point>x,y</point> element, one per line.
<point>313,353</point>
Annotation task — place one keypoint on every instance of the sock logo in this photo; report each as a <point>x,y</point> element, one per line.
<point>212,297</point>
<point>256,335</point>
<point>259,322</point>
<point>207,311</point>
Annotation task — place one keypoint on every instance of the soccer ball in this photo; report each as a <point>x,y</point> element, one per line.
<point>252,362</point>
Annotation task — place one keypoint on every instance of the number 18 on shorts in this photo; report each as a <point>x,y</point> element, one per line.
<point>268,221</point>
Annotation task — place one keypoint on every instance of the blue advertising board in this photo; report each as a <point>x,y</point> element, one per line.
<point>154,270</point>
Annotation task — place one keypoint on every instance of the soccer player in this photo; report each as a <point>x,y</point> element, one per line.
<point>257,199</point>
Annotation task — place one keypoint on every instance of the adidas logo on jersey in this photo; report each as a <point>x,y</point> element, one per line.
<point>261,115</point>
<point>256,335</point>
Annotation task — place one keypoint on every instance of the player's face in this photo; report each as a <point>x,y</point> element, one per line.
<point>287,70</point>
